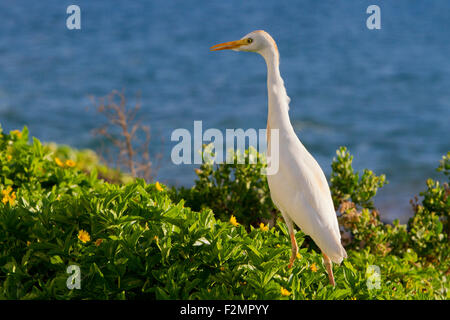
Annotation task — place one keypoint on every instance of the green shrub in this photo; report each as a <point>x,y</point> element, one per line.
<point>230,189</point>
<point>429,227</point>
<point>87,160</point>
<point>346,185</point>
<point>131,241</point>
<point>360,221</point>
<point>444,165</point>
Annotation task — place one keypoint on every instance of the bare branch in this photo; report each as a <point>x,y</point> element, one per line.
<point>133,153</point>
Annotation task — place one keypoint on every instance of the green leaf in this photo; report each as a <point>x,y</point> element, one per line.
<point>56,260</point>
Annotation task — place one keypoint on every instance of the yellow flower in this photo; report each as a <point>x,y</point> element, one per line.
<point>98,242</point>
<point>17,133</point>
<point>84,236</point>
<point>263,227</point>
<point>313,267</point>
<point>59,162</point>
<point>28,243</point>
<point>9,157</point>
<point>7,191</point>
<point>233,221</point>
<point>158,186</point>
<point>299,256</point>
<point>353,298</point>
<point>285,292</point>
<point>12,198</point>
<point>7,197</point>
<point>70,163</point>
<point>222,268</point>
<point>278,245</point>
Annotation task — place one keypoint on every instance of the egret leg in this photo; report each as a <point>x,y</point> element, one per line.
<point>329,266</point>
<point>290,226</point>
<point>294,249</point>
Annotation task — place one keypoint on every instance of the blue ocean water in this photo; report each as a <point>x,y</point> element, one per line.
<point>385,94</point>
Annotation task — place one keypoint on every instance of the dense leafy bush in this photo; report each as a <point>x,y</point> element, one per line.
<point>430,233</point>
<point>231,189</point>
<point>346,185</point>
<point>353,194</point>
<point>87,160</point>
<point>131,241</point>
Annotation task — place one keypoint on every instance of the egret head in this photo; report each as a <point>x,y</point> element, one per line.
<point>256,41</point>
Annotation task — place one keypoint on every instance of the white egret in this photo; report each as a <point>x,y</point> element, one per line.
<point>299,189</point>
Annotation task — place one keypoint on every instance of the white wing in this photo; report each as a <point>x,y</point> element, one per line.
<point>301,191</point>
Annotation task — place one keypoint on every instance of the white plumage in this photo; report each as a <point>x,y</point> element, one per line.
<point>299,188</point>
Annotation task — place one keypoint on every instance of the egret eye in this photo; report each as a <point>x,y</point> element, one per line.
<point>249,40</point>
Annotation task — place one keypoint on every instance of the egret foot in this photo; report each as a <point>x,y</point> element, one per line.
<point>329,266</point>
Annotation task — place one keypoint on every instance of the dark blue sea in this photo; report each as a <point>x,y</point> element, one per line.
<point>385,94</point>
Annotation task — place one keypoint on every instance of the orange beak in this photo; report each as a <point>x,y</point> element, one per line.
<point>229,45</point>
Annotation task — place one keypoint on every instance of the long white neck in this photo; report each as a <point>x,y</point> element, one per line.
<point>278,106</point>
